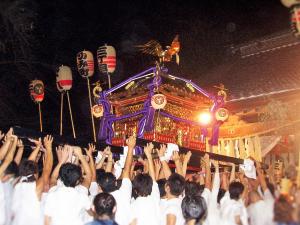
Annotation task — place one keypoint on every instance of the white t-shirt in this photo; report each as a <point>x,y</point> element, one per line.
<point>231,208</point>
<point>123,197</point>
<point>2,205</point>
<point>26,207</point>
<point>146,209</point>
<point>262,212</point>
<point>66,205</point>
<point>8,188</point>
<point>173,206</point>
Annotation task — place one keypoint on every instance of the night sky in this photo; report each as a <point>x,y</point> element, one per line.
<point>38,36</point>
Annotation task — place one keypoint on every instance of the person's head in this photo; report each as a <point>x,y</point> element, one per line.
<point>107,182</point>
<point>254,197</point>
<point>142,185</point>
<point>175,185</point>
<point>11,171</point>
<point>235,190</point>
<point>70,174</point>
<point>161,186</point>
<point>194,208</point>
<point>192,188</point>
<point>28,171</point>
<point>283,210</point>
<point>221,194</point>
<point>104,205</point>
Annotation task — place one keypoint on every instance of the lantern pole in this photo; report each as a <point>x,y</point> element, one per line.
<point>109,81</point>
<point>40,114</point>
<point>90,99</point>
<point>61,112</point>
<point>71,116</point>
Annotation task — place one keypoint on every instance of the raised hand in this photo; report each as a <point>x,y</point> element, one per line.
<point>187,156</point>
<point>38,143</point>
<point>175,156</point>
<point>1,135</point>
<point>131,141</point>
<point>91,149</point>
<point>20,143</point>
<point>161,152</point>
<point>77,151</point>
<point>107,151</point>
<point>148,149</point>
<point>48,142</point>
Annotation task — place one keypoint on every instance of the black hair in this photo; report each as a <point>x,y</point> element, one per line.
<point>104,204</point>
<point>235,190</point>
<point>194,207</point>
<point>161,186</point>
<point>70,174</point>
<point>142,185</point>
<point>221,194</point>
<point>193,188</point>
<point>107,182</point>
<point>27,169</point>
<point>176,183</point>
<point>99,172</point>
<point>12,169</point>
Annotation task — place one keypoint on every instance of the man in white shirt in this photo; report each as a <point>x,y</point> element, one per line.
<point>145,209</point>
<point>65,205</point>
<point>172,213</point>
<point>232,208</point>
<point>260,204</point>
<point>108,184</point>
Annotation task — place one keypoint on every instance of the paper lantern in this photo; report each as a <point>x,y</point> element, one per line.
<point>158,101</point>
<point>295,20</point>
<point>85,64</point>
<point>36,89</point>
<point>290,3</point>
<point>222,114</point>
<point>64,78</point>
<point>97,110</point>
<point>106,57</point>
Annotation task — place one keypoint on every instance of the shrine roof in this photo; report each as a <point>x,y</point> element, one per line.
<point>263,67</point>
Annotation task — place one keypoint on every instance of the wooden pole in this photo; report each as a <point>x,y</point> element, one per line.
<point>92,117</point>
<point>71,116</point>
<point>61,112</point>
<point>40,114</point>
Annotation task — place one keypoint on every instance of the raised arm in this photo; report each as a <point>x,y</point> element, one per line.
<point>109,164</point>
<point>7,141</point>
<point>232,173</point>
<point>20,151</point>
<point>178,165</point>
<point>207,172</point>
<point>10,154</point>
<point>131,141</point>
<point>186,160</point>
<point>43,181</point>
<point>261,177</point>
<point>105,153</point>
<point>89,152</point>
<point>86,168</point>
<point>148,150</point>
<point>35,152</point>
<point>62,155</point>
<point>165,166</point>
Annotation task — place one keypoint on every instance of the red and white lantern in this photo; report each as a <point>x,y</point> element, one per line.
<point>158,101</point>
<point>295,14</point>
<point>64,78</point>
<point>106,57</point>
<point>85,64</point>
<point>37,90</point>
<point>222,114</point>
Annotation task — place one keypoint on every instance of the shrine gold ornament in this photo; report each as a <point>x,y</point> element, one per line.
<point>97,110</point>
<point>222,114</point>
<point>158,101</point>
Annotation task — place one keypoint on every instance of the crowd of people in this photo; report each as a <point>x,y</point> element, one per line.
<point>72,187</point>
